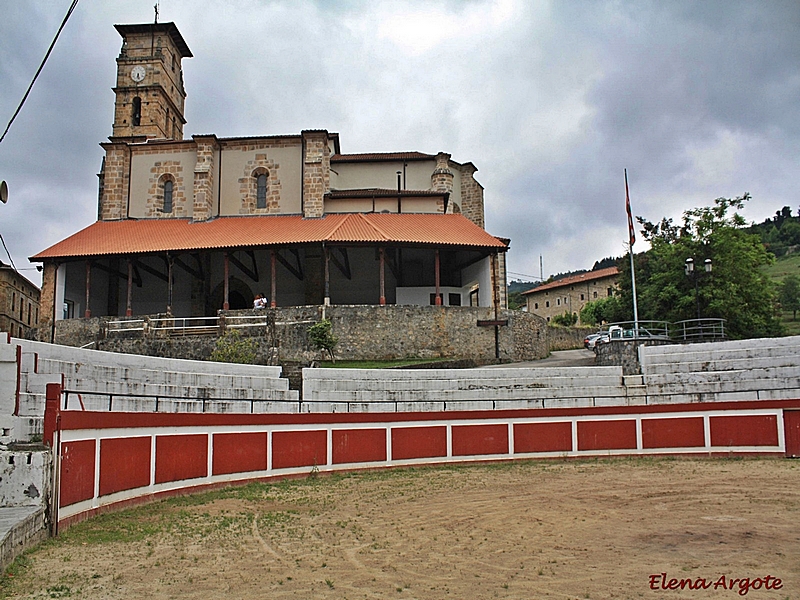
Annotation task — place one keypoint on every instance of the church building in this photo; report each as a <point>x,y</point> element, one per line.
<point>189,227</point>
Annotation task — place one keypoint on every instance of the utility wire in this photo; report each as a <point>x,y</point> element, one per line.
<point>41,66</point>
<point>7,252</point>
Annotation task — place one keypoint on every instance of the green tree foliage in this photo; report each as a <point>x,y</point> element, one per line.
<point>322,338</point>
<point>605,310</point>
<point>568,319</point>
<point>736,290</point>
<point>233,348</point>
<point>790,294</point>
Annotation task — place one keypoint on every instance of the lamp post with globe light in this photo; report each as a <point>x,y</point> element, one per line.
<point>696,274</point>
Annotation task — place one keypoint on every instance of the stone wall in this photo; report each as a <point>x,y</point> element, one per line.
<point>566,338</point>
<point>625,353</point>
<point>364,332</point>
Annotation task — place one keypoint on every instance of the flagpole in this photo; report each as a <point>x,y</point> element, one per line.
<point>632,240</point>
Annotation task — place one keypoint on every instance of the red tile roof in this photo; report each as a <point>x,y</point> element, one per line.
<point>382,193</point>
<point>378,156</point>
<point>574,279</point>
<point>181,235</point>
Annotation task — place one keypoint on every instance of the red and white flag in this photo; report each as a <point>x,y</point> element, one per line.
<point>631,232</point>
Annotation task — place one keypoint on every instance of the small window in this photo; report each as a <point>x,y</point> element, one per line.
<point>136,115</point>
<point>547,304</point>
<point>548,319</point>
<point>535,306</point>
<point>454,299</point>
<point>166,123</point>
<point>167,196</point>
<point>30,313</point>
<point>594,295</point>
<point>13,301</point>
<point>558,301</point>
<point>610,291</point>
<point>261,191</point>
<point>433,299</point>
<point>582,298</point>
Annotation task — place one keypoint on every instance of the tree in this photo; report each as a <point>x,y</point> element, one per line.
<point>605,310</point>
<point>322,338</point>
<point>790,295</point>
<point>568,319</point>
<point>736,290</point>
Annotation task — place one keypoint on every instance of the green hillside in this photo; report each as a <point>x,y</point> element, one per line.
<point>782,267</point>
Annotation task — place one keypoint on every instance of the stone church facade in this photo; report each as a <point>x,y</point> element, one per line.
<point>191,226</point>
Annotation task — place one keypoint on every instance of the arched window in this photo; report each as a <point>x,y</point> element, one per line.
<point>136,116</point>
<point>261,191</point>
<point>167,197</point>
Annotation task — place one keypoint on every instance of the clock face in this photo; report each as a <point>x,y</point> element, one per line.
<point>138,73</point>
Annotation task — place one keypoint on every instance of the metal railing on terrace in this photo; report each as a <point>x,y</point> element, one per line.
<point>690,330</point>
<point>181,326</point>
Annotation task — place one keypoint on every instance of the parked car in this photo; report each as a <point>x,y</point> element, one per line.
<point>590,340</point>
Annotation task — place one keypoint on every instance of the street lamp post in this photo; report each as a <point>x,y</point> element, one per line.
<point>695,274</point>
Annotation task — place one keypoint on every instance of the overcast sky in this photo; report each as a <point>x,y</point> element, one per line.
<point>550,100</point>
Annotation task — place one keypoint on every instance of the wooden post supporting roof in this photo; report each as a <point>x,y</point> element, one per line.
<point>273,283</point>
<point>225,304</point>
<point>128,307</point>
<point>436,266</point>
<point>87,311</point>
<point>383,277</point>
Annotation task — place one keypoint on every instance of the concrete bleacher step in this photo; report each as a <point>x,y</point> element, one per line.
<point>424,385</point>
<point>754,348</point>
<point>438,374</point>
<point>696,377</point>
<point>121,373</point>
<point>461,395</point>
<point>738,364</point>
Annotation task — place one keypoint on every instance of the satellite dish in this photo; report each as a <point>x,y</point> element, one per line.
<point>3,192</point>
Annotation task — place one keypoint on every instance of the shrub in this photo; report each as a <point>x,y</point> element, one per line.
<point>321,336</point>
<point>232,348</point>
<point>568,319</point>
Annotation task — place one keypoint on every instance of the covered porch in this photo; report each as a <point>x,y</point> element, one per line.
<point>128,268</point>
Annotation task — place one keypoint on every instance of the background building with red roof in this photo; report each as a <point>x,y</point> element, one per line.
<point>570,294</point>
<point>191,226</point>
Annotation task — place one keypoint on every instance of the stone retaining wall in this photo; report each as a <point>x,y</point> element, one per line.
<point>364,332</point>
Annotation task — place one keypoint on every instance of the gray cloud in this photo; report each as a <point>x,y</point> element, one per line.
<point>550,100</point>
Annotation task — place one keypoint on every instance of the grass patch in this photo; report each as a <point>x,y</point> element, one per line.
<point>379,364</point>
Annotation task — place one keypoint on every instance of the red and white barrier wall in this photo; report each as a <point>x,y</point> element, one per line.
<point>107,458</point>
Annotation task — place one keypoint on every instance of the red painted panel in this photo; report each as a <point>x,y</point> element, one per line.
<point>469,440</point>
<point>791,425</point>
<point>239,452</point>
<point>542,437</point>
<point>419,442</point>
<point>673,433</point>
<point>77,419</point>
<point>77,472</point>
<point>124,464</point>
<point>299,449</point>
<point>181,457</point>
<point>359,445</point>
<point>761,430</point>
<point>607,435</point>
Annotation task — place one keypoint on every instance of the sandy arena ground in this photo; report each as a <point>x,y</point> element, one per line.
<point>575,529</point>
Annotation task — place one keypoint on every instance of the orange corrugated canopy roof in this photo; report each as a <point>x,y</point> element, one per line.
<point>181,235</point>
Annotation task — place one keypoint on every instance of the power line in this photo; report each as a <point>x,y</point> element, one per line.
<point>41,66</point>
<point>7,252</point>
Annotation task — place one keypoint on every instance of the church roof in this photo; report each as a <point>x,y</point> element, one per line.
<point>182,235</point>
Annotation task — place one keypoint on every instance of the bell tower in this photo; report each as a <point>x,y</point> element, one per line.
<point>149,91</point>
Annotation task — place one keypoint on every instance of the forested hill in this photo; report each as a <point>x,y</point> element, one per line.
<point>780,233</point>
